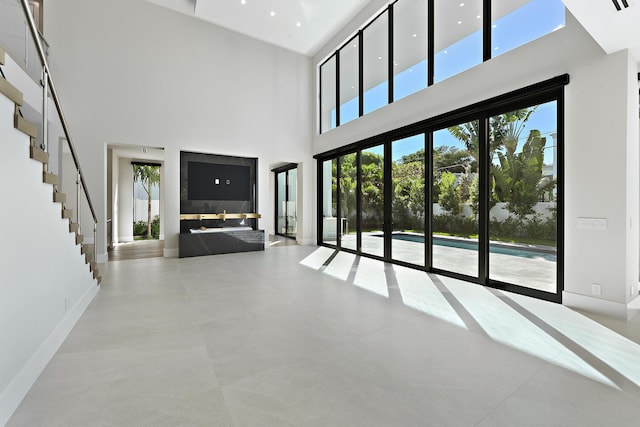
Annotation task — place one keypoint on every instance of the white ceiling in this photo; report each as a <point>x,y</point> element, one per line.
<point>613,30</point>
<point>302,26</point>
<point>319,20</point>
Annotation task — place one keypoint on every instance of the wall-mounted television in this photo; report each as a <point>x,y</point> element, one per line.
<point>213,181</point>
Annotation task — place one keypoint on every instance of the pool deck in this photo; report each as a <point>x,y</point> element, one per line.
<point>534,272</point>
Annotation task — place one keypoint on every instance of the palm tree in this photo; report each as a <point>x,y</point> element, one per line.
<point>148,176</point>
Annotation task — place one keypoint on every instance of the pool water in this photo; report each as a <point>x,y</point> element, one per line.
<point>464,244</point>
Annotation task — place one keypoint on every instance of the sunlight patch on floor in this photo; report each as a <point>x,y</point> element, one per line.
<point>419,292</point>
<point>370,276</point>
<point>317,258</point>
<point>341,265</point>
<point>618,352</point>
<point>505,325</point>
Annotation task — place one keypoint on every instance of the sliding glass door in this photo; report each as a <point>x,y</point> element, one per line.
<point>454,220</point>
<point>523,172</point>
<point>286,201</point>
<point>408,204</point>
<point>475,196</point>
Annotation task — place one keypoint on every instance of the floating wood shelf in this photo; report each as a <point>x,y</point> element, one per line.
<point>223,216</point>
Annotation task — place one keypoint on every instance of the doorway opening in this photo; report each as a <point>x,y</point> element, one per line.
<point>286,200</point>
<point>135,202</point>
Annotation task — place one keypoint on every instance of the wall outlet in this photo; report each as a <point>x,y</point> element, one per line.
<point>596,289</point>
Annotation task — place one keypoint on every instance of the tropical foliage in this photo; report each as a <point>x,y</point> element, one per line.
<point>148,176</point>
<point>515,179</point>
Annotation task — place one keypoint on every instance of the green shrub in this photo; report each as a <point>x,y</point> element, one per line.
<point>139,228</point>
<point>155,227</point>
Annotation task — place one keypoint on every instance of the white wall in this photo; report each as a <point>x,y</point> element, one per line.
<point>601,145</point>
<point>45,284</point>
<point>144,75</point>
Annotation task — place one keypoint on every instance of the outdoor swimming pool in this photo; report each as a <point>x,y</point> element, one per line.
<point>496,248</point>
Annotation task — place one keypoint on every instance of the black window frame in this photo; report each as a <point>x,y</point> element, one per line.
<point>545,91</point>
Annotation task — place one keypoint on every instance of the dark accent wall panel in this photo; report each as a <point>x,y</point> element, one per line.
<point>200,194</point>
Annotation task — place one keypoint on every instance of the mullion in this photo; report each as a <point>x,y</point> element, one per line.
<point>430,42</point>
<point>428,200</point>
<point>360,73</point>
<point>337,88</point>
<point>338,203</point>
<point>390,55</point>
<point>359,201</point>
<point>486,30</point>
<point>483,199</point>
<point>388,196</point>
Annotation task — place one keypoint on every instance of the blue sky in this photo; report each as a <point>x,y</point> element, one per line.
<point>533,20</point>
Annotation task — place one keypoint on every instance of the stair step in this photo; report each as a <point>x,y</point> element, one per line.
<point>67,213</point>
<point>93,266</point>
<point>49,178</point>
<point>99,280</point>
<point>37,154</point>
<point>24,126</point>
<point>59,197</point>
<point>95,274</point>
<point>74,227</point>
<point>79,239</point>
<point>10,91</point>
<point>1,56</point>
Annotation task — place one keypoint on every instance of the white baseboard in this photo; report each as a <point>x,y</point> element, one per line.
<point>170,252</point>
<point>20,385</point>
<point>102,258</point>
<point>125,239</point>
<point>598,305</point>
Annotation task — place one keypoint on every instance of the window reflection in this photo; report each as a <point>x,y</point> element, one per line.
<point>457,37</point>
<point>349,81</point>
<point>514,23</point>
<point>376,64</point>
<point>328,95</point>
<point>410,31</point>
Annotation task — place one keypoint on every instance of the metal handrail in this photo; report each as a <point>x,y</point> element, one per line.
<point>54,94</point>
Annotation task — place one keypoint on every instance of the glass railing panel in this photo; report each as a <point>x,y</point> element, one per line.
<point>16,38</point>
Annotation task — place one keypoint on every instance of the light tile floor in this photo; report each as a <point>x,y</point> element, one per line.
<point>301,336</point>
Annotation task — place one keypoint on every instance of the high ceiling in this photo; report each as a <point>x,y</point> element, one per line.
<point>299,25</point>
<point>305,25</point>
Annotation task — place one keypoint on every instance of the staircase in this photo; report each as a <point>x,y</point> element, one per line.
<point>48,272</point>
<point>39,155</point>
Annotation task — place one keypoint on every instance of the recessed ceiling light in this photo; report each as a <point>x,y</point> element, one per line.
<point>478,17</point>
<point>273,13</point>
<point>461,4</point>
<point>379,57</point>
<point>415,35</point>
<point>459,22</point>
<point>243,1</point>
<point>298,24</point>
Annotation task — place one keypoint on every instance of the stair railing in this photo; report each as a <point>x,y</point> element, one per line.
<point>14,39</point>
